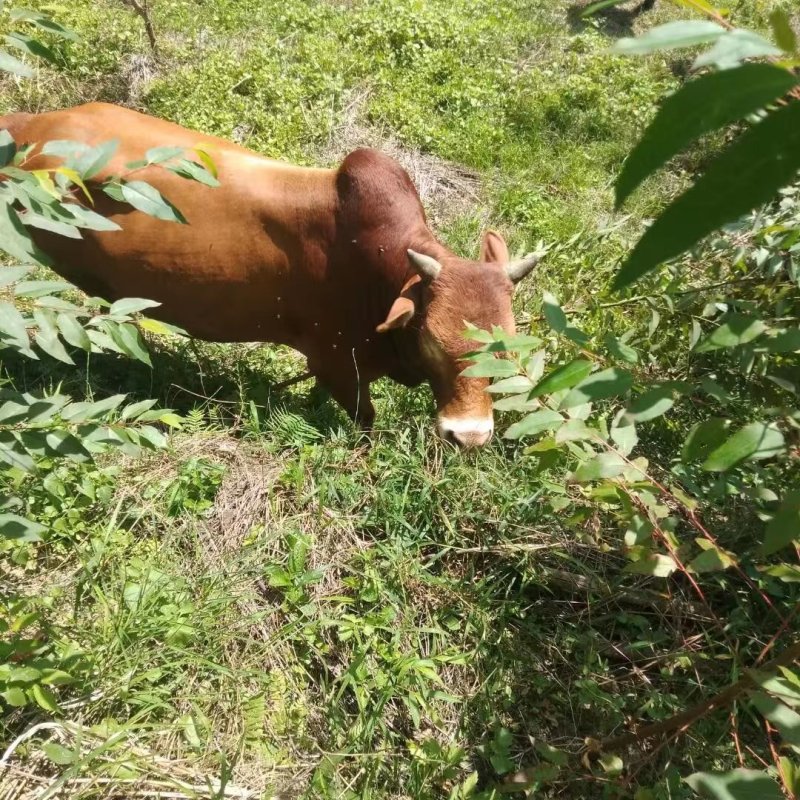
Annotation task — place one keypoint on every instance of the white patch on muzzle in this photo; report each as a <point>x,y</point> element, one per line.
<point>466,431</point>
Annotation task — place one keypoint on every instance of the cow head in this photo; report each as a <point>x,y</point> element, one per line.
<point>441,295</point>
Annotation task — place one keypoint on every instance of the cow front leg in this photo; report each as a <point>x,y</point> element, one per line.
<point>353,396</point>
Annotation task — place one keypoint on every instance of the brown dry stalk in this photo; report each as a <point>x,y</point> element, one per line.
<point>140,7</point>
<point>675,725</point>
<point>688,717</point>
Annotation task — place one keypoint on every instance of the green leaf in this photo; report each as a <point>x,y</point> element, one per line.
<point>476,334</point>
<point>44,698</point>
<point>738,784</point>
<point>148,199</point>
<point>91,220</point>
<point>15,239</point>
<point>14,696</point>
<point>620,350</point>
<point>14,453</point>
<point>92,161</point>
<point>43,21</point>
<point>513,385</point>
<point>790,772</point>
<point>64,444</point>
<point>12,411</point>
<point>159,328</point>
<point>789,573</point>
<point>574,430</point>
<point>599,386</point>
<point>40,288</point>
<point>563,377</point>
<point>784,527</point>
<point>748,174</point>
<point>24,675</point>
<point>612,764</point>
<point>735,46</point>
<point>13,328</point>
<point>171,419</point>
<point>153,437</point>
<point>552,754</point>
<point>516,402</point>
<point>491,368</point>
<point>624,437</point>
<point>700,106</point>
<point>639,532</point>
<point>158,155</point>
<point>135,409</point>
<point>703,438</point>
<point>782,30</point>
<point>657,565</point>
<point>20,529</point>
<point>43,409</point>
<point>128,338</point>
<point>13,65</point>
<point>131,305</point>
<point>713,389</point>
<point>684,33</point>
<point>783,341</point>
<point>8,148</point>
<point>539,421</point>
<point>651,404</point>
<point>47,336</point>
<point>29,45</point>
<point>193,171</point>
<point>33,220</point>
<point>9,275</point>
<point>82,412</point>
<point>59,754</point>
<point>712,559</point>
<point>555,317</point>
<point>755,441</point>
<point>65,148</point>
<point>780,715</point>
<point>780,688</point>
<point>73,332</point>
<point>604,465</point>
<point>736,330</point>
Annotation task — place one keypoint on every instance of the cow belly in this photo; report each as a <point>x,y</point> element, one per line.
<point>205,298</point>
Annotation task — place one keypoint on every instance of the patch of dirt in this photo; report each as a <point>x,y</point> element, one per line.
<point>447,190</point>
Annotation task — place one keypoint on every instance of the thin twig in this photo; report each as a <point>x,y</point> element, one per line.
<point>688,717</point>
<point>144,12</point>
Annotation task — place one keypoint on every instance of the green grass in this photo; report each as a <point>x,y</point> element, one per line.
<point>270,604</point>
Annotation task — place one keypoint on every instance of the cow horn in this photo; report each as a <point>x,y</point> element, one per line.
<point>517,270</point>
<point>428,268</point>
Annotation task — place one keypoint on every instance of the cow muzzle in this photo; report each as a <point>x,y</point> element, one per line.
<point>466,432</point>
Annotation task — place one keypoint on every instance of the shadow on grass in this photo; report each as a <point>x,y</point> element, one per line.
<point>614,21</point>
<point>186,375</point>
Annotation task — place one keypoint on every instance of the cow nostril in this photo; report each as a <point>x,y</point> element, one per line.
<point>465,435</point>
<point>473,439</point>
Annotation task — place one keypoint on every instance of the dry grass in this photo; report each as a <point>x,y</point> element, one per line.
<point>35,777</point>
<point>137,72</point>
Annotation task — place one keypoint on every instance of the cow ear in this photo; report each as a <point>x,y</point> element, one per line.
<point>494,249</point>
<point>403,308</point>
<point>400,314</point>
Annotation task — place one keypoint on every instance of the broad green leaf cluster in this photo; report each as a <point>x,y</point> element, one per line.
<point>584,400</point>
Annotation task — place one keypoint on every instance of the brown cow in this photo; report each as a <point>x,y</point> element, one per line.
<point>338,264</point>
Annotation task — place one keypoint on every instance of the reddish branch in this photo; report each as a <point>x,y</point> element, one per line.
<point>688,717</point>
